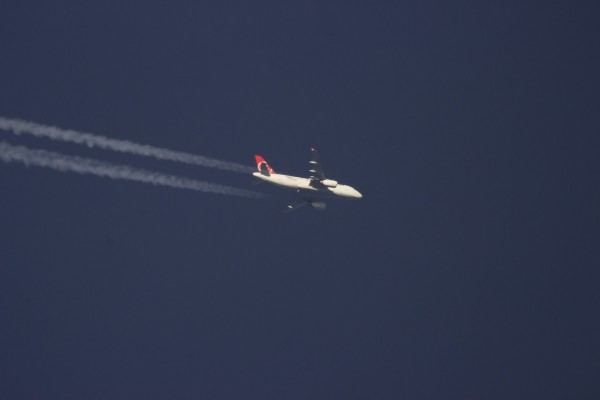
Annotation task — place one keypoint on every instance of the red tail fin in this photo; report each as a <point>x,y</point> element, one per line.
<point>263,166</point>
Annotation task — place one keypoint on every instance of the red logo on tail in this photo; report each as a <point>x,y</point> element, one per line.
<point>262,163</point>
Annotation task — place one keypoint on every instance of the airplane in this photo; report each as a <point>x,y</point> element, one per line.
<point>312,190</point>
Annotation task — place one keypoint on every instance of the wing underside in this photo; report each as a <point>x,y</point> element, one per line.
<point>317,176</point>
<point>316,168</point>
<point>295,205</point>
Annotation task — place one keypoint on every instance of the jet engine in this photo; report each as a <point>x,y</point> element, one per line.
<point>329,183</point>
<point>319,205</point>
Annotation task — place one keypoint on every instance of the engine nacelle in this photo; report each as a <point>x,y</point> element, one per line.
<point>319,205</point>
<point>329,183</point>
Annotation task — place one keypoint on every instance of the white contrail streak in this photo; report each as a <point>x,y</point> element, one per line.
<point>18,127</point>
<point>65,163</point>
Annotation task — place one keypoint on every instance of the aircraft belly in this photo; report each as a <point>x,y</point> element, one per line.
<point>302,187</point>
<point>315,193</point>
<point>283,183</point>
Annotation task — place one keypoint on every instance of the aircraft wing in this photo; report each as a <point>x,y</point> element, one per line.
<point>316,169</point>
<point>294,206</point>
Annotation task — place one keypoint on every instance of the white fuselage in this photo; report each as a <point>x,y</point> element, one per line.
<point>304,187</point>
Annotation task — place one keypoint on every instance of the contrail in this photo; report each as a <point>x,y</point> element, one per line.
<point>18,127</point>
<point>65,163</point>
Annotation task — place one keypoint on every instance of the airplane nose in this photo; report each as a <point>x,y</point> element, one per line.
<point>358,194</point>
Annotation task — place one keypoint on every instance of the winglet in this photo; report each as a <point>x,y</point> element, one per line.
<point>263,166</point>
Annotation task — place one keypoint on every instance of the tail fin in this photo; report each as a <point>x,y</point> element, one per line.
<point>263,166</point>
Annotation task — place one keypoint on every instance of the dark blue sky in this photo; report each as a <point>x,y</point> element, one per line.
<point>469,269</point>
